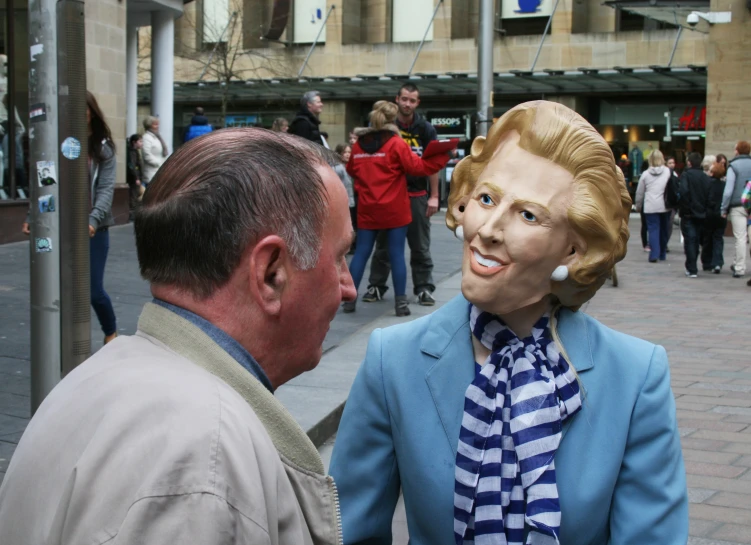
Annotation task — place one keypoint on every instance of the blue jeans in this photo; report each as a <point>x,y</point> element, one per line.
<point>99,246</point>
<point>657,227</point>
<point>396,239</point>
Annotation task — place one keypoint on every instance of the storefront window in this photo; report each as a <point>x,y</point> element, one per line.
<point>14,105</point>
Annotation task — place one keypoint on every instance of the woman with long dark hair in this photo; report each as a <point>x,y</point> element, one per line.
<point>102,175</point>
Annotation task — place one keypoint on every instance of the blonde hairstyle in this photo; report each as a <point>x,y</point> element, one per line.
<point>707,162</point>
<point>384,113</point>
<point>600,206</point>
<point>656,159</point>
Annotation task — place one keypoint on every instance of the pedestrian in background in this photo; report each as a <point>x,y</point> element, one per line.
<point>738,174</point>
<point>199,125</point>
<point>134,172</point>
<point>345,152</point>
<point>650,197</point>
<point>173,435</point>
<point>154,150</point>
<point>380,159</point>
<point>280,124</point>
<point>307,122</point>
<point>713,244</point>
<point>670,163</point>
<point>423,199</point>
<point>694,192</point>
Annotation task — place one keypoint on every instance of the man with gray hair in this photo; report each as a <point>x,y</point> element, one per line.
<point>174,435</point>
<point>306,123</point>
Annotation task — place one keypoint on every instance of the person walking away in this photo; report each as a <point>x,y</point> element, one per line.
<point>154,150</point>
<point>423,198</point>
<point>345,152</point>
<point>738,174</point>
<point>650,197</point>
<point>134,172</point>
<point>694,191</point>
<point>380,159</point>
<point>306,123</point>
<point>199,125</point>
<point>670,163</point>
<point>280,124</point>
<point>713,243</point>
<point>174,435</point>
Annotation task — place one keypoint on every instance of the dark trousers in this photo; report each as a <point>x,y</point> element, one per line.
<point>644,239</point>
<point>713,244</point>
<point>99,246</point>
<point>657,227</point>
<point>418,240</point>
<point>692,230</point>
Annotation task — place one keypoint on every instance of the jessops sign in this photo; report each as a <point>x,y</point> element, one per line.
<point>516,9</point>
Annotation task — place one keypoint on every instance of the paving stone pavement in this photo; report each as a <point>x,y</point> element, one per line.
<point>703,324</point>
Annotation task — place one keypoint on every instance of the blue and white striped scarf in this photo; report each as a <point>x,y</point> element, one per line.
<point>513,415</point>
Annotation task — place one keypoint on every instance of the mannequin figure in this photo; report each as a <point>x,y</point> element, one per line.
<point>509,416</point>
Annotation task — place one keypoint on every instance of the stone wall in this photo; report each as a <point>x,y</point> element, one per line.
<point>105,67</point>
<point>729,86</point>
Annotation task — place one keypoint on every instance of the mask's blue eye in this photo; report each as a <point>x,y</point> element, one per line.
<point>486,200</point>
<point>529,216</point>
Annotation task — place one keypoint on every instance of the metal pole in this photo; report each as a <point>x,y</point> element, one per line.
<point>45,226</point>
<point>422,42</point>
<point>544,34</point>
<point>315,42</point>
<point>485,67</point>
<point>675,45</point>
<point>11,77</point>
<point>211,57</point>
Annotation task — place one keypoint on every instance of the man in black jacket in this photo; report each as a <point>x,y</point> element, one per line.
<point>423,197</point>
<point>694,195</point>
<point>306,123</point>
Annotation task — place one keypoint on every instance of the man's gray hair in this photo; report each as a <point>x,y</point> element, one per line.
<point>149,121</point>
<point>308,97</point>
<point>203,209</point>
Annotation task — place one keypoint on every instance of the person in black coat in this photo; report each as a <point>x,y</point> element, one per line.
<point>694,187</point>
<point>306,123</point>
<point>134,172</point>
<point>713,244</point>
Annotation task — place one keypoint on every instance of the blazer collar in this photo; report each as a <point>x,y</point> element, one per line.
<point>447,339</point>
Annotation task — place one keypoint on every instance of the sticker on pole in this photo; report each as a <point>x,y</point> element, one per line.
<point>46,173</point>
<point>71,148</point>
<point>46,203</point>
<point>37,112</point>
<point>43,245</point>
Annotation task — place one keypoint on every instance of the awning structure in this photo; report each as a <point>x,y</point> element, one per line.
<point>584,81</point>
<point>668,11</point>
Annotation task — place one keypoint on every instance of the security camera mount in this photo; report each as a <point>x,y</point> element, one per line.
<point>714,17</point>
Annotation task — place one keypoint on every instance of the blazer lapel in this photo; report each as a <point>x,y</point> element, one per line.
<point>447,340</point>
<point>574,335</point>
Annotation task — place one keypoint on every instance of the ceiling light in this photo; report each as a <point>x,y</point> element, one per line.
<point>651,128</point>
<point>625,128</point>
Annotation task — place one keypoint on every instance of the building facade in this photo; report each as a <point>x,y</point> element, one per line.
<point>635,69</point>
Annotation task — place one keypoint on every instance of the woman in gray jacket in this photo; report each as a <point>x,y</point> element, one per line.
<point>650,193</point>
<point>102,175</point>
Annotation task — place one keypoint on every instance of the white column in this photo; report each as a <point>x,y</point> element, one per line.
<point>131,80</point>
<point>163,72</point>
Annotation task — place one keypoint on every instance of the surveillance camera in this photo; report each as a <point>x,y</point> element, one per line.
<point>692,19</point>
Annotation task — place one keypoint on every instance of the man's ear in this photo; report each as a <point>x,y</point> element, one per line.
<point>269,263</point>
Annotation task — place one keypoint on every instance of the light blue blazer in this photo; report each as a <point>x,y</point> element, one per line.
<point>619,467</point>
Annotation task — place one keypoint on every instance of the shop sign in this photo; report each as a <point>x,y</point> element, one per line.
<point>694,118</point>
<point>241,120</point>
<point>452,122</point>
<point>518,9</point>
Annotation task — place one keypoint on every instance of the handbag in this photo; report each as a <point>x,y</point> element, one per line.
<point>746,197</point>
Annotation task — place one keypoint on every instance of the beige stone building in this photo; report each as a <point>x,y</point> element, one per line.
<point>622,64</point>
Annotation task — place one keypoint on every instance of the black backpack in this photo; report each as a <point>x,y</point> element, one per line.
<point>672,195</point>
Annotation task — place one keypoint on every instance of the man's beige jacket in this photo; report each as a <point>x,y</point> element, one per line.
<point>163,438</point>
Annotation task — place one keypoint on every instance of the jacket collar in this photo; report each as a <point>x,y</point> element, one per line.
<point>448,341</point>
<point>189,341</point>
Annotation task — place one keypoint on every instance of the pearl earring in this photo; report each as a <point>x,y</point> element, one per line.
<point>459,232</point>
<point>559,274</point>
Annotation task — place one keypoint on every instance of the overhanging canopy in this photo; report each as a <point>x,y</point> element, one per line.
<point>584,81</point>
<point>668,11</point>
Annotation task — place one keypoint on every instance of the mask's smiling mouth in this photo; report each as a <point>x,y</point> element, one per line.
<point>484,265</point>
<point>486,262</point>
